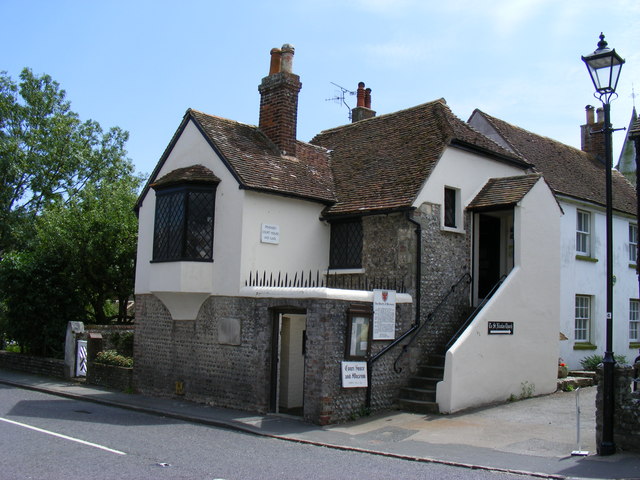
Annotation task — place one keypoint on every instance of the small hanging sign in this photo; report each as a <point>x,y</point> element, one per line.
<point>500,328</point>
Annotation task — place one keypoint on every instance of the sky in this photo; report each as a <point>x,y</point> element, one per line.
<point>140,64</point>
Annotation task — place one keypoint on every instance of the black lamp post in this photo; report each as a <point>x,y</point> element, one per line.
<point>604,66</point>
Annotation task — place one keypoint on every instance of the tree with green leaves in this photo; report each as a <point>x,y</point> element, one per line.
<point>68,232</point>
<point>47,154</point>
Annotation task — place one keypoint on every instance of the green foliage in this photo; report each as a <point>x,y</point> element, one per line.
<point>568,388</point>
<point>123,343</point>
<point>41,296</point>
<point>113,358</point>
<point>67,228</point>
<point>591,362</point>
<point>47,155</point>
<point>97,232</point>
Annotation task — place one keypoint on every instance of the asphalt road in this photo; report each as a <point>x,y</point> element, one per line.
<point>48,437</point>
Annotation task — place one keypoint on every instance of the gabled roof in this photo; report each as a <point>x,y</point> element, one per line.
<point>504,192</point>
<point>256,162</point>
<point>568,171</point>
<point>381,163</point>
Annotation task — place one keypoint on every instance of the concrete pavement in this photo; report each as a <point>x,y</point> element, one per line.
<point>533,436</point>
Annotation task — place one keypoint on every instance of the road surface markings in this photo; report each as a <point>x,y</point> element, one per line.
<point>65,437</point>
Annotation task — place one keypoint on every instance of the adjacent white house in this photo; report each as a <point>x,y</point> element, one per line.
<point>577,178</point>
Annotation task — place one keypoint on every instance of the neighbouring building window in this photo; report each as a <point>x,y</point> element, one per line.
<point>450,207</point>
<point>346,244</point>
<point>583,318</point>
<point>633,243</point>
<point>183,228</point>
<point>583,233</point>
<point>634,320</point>
<point>359,332</point>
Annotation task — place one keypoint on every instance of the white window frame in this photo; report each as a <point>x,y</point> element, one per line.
<point>633,243</point>
<point>634,320</point>
<point>583,233</point>
<point>582,316</point>
<point>457,209</point>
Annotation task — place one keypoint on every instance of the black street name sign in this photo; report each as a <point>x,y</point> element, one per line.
<point>500,328</point>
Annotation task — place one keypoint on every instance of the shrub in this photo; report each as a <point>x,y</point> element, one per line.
<point>123,343</point>
<point>111,357</point>
<point>591,362</point>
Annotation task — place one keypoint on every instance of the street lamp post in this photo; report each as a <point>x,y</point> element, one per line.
<point>604,67</point>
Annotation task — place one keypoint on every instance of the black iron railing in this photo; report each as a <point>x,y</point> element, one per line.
<point>412,334</point>
<point>475,312</point>
<point>308,279</point>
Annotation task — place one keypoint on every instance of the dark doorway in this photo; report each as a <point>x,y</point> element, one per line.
<point>488,253</point>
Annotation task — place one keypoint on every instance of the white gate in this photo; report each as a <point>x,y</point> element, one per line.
<point>81,358</point>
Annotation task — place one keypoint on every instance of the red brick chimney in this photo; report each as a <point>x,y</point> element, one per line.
<point>363,105</point>
<point>279,100</point>
<point>591,134</point>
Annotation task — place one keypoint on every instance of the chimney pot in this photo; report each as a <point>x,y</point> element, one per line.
<point>286,62</point>
<point>360,102</point>
<point>600,112</point>
<point>367,98</point>
<point>274,66</point>
<point>590,117</point>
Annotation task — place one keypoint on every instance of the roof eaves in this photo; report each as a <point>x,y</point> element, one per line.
<point>512,160</point>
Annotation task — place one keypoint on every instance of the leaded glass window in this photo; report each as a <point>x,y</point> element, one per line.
<point>346,244</point>
<point>184,224</point>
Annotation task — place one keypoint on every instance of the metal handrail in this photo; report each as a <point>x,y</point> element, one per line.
<point>418,329</point>
<point>475,312</point>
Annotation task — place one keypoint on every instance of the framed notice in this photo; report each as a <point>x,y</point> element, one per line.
<point>358,332</point>
<point>354,374</point>
<point>384,314</point>
<point>270,233</point>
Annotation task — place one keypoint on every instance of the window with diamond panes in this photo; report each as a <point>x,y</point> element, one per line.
<point>184,224</point>
<point>346,244</point>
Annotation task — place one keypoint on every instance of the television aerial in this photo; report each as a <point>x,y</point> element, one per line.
<point>340,96</point>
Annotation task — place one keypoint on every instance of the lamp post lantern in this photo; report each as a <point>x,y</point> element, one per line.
<point>604,67</point>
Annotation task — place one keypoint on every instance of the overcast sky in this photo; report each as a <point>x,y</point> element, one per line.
<point>139,64</point>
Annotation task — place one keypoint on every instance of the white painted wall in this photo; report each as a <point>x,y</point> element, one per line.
<point>482,368</point>
<point>580,277</point>
<point>464,171</point>
<point>223,275</point>
<point>237,247</point>
<point>303,240</point>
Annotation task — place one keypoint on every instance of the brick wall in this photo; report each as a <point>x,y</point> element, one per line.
<point>445,259</point>
<point>626,412</point>
<point>49,367</point>
<point>239,376</point>
<point>109,376</point>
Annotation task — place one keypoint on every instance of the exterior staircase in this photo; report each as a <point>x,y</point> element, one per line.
<point>420,395</point>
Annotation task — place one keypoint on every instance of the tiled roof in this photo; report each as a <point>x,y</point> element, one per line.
<point>634,131</point>
<point>567,170</point>
<point>503,192</point>
<point>257,163</point>
<point>192,174</point>
<point>382,163</point>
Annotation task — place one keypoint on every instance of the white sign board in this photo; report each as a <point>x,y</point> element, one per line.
<point>384,314</point>
<point>270,233</point>
<point>354,374</point>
